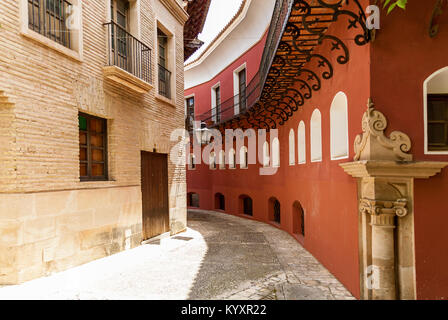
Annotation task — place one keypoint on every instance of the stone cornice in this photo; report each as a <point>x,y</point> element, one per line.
<point>386,168</point>
<point>176,10</point>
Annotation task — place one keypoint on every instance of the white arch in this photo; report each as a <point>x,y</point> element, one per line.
<point>292,148</point>
<point>222,159</point>
<point>301,143</point>
<point>212,161</point>
<point>275,152</point>
<point>266,154</point>
<point>232,159</point>
<point>339,127</point>
<point>243,158</point>
<point>436,83</point>
<point>316,136</point>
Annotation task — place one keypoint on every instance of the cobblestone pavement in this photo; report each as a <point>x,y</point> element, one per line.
<point>219,257</point>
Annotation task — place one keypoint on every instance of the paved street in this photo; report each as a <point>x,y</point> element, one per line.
<point>219,257</point>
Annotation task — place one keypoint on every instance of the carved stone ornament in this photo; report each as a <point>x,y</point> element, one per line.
<point>379,207</point>
<point>373,144</point>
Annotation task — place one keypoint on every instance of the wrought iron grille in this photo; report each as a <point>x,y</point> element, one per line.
<point>235,106</point>
<point>164,82</point>
<point>49,18</point>
<point>128,53</point>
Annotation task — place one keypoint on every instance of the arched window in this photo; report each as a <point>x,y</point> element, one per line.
<point>292,148</point>
<point>436,112</point>
<point>301,143</point>
<point>212,161</point>
<point>316,136</point>
<point>339,127</point>
<point>274,210</point>
<point>232,159</point>
<point>193,200</point>
<point>298,219</point>
<point>266,154</point>
<point>220,201</point>
<point>246,205</point>
<point>222,159</point>
<point>275,152</point>
<point>192,162</point>
<point>243,157</point>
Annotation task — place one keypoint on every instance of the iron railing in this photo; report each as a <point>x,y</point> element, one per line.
<point>128,53</point>
<point>164,82</point>
<point>280,17</point>
<point>49,18</point>
<point>238,105</point>
<point>234,106</point>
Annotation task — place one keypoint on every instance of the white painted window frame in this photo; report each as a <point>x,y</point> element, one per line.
<point>213,99</point>
<point>236,86</point>
<point>425,112</point>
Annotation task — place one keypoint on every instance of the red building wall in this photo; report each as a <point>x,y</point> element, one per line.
<point>403,57</point>
<point>391,71</point>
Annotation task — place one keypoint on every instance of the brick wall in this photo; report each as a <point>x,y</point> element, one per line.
<point>39,138</point>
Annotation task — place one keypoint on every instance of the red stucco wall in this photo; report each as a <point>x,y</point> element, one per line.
<point>403,57</point>
<point>391,71</point>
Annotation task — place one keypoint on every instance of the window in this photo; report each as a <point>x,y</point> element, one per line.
<point>216,103</point>
<point>316,136</point>
<point>189,120</point>
<point>298,219</point>
<point>339,127</point>
<point>212,164</point>
<point>222,159</point>
<point>438,122</point>
<point>164,73</point>
<point>192,162</point>
<point>276,153</point>
<point>274,210</point>
<point>220,201</point>
<point>92,147</point>
<point>242,90</point>
<point>266,158</point>
<point>246,205</point>
<point>436,112</point>
<point>301,143</point>
<point>292,148</point>
<point>232,159</point>
<point>49,18</point>
<point>243,158</point>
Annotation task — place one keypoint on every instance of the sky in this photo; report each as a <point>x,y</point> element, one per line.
<point>219,14</point>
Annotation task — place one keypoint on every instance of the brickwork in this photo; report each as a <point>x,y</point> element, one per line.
<point>39,144</point>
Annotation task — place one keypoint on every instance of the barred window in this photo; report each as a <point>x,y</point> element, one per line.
<point>49,18</point>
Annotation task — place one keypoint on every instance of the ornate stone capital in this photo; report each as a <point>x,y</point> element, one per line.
<point>373,144</point>
<point>383,212</point>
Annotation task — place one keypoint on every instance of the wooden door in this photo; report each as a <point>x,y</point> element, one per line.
<point>155,194</point>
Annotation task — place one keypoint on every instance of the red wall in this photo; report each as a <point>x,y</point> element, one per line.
<point>402,59</point>
<point>391,71</point>
<point>203,94</point>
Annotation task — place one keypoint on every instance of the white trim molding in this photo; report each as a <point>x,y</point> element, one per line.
<point>425,108</point>
<point>236,86</point>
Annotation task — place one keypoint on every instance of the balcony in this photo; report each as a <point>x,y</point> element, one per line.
<point>128,60</point>
<point>164,82</point>
<point>234,107</point>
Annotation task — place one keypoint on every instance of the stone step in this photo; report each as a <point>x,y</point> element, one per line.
<point>6,104</point>
<point>3,99</point>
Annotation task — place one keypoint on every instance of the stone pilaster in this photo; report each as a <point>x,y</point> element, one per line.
<point>385,173</point>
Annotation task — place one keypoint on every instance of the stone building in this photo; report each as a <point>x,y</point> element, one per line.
<point>89,94</point>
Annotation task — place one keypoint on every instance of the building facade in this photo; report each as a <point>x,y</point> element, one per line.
<point>89,94</point>
<point>366,200</point>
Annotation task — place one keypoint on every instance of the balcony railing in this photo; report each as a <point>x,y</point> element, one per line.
<point>234,106</point>
<point>49,17</point>
<point>164,82</point>
<point>128,53</point>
